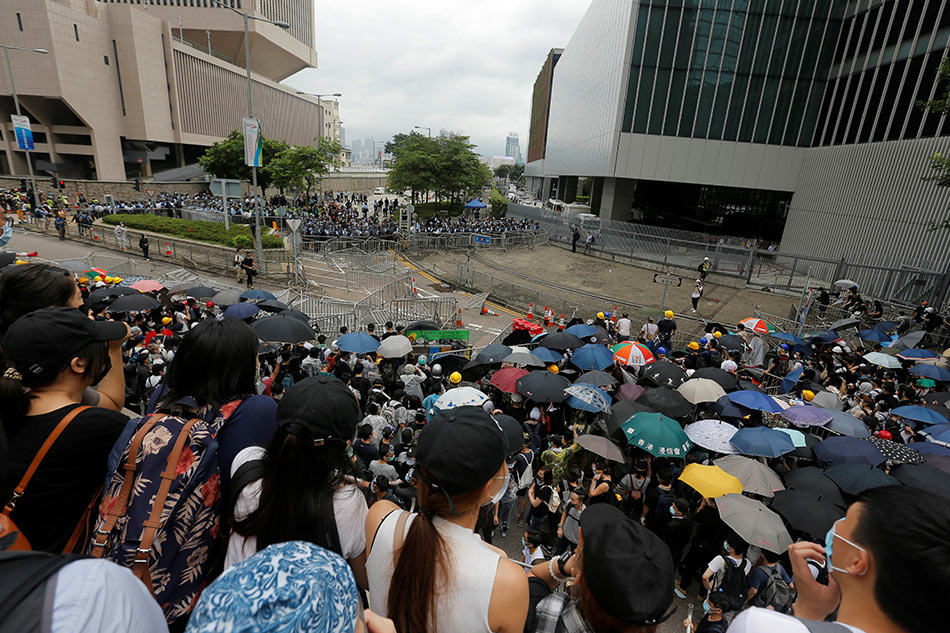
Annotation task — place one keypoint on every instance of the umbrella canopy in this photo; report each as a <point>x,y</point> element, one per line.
<point>630,391</point>
<point>72,265</point>
<point>663,373</point>
<point>915,353</point>
<point>548,355</point>
<point>823,336</point>
<point>147,285</point>
<point>911,339</point>
<point>884,326</point>
<point>622,411</point>
<point>226,297</point>
<point>846,283</point>
<point>356,342</point>
<point>199,292</point>
<point>422,325</point>
<point>757,325</point>
<point>755,523</point>
<point>710,481</point>
<point>806,511</point>
<point>845,424</point>
<point>475,204</point>
<point>596,379</point>
<point>938,433</point>
<point>667,401</point>
<point>133,303</point>
<point>495,353</point>
<point>728,409</point>
<point>713,435</point>
<point>762,442</point>
<point>588,398</point>
<point>727,380</point>
<point>599,445</point>
<point>102,294</point>
<point>896,453</point>
<point>241,310</point>
<point>656,434</point>
<point>826,400</point>
<point>505,379</point>
<point>448,363</point>
<point>756,477</point>
<point>854,479</point>
<point>731,342</point>
<point>395,347</point>
<point>788,336</point>
<point>282,329</point>
<point>698,390</point>
<point>798,438</point>
<point>633,354</point>
<point>257,295</point>
<point>843,324</point>
<point>460,397</point>
<point>272,305</point>
<point>297,314</point>
<point>813,479</point>
<point>543,386</point>
<point>581,330</point>
<point>791,379</point>
<point>523,358</point>
<point>592,357</point>
<point>849,450</point>
<point>925,477</point>
<point>562,341</point>
<point>755,400</point>
<point>875,336</point>
<point>517,337</point>
<point>475,369</point>
<point>805,415</point>
<point>928,449</point>
<point>931,371</point>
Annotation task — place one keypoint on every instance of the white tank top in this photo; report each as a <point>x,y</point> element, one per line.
<point>462,603</point>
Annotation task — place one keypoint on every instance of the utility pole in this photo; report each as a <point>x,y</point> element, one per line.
<point>16,103</point>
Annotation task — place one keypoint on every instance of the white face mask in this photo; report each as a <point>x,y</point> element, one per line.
<point>501,491</point>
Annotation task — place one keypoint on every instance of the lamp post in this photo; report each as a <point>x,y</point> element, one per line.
<point>250,115</point>
<point>422,127</point>
<point>16,103</point>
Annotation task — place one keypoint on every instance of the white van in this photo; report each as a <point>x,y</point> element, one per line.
<point>379,191</point>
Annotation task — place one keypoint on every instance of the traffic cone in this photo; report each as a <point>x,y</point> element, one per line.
<point>168,250</point>
<point>613,315</point>
<point>530,315</point>
<point>458,320</point>
<point>547,317</point>
<point>561,322</point>
<point>485,310</point>
<point>414,289</point>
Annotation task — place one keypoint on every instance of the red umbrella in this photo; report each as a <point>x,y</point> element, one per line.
<point>506,379</point>
<point>630,391</point>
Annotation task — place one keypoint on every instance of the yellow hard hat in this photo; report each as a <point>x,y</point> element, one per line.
<point>108,280</point>
<point>166,320</point>
<point>20,262</point>
<point>808,395</point>
<point>97,278</point>
<point>117,280</point>
<point>693,345</point>
<point>717,334</point>
<point>600,315</point>
<point>668,314</point>
<point>82,280</point>
<point>553,369</point>
<point>455,378</point>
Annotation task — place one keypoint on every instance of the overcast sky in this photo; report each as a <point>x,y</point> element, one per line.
<point>462,65</point>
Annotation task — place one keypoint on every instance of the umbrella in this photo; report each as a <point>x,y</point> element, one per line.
<point>756,477</point>
<point>242,310</point>
<point>813,479</point>
<point>297,314</point>
<point>282,329</point>
<point>698,390</point>
<point>755,523</point>
<point>599,445</point>
<point>395,347</point>
<point>199,292</point>
<point>939,433</point>
<point>562,341</point>
<point>72,265</point>
<point>460,397</point>
<point>822,336</point>
<point>422,325</point>
<point>759,326</point>
<point>728,381</point>
<point>448,363</point>
<point>875,336</point>
<point>596,378</point>
<point>854,479</point>
<point>517,337</point>
<point>843,324</point>
<point>788,336</point>
<point>846,283</point>
<point>592,357</point>
<point>548,355</point>
<point>921,414</point>
<point>588,398</point>
<point>257,295</point>
<point>656,434</point>
<point>713,435</point>
<point>630,391</point>
<point>543,386</point>
<point>798,438</point>
<point>915,353</point>
<point>849,450</point>
<point>272,305</point>
<point>505,379</point>
<point>896,453</point>
<point>622,411</point>
<point>931,371</point>
<point>633,354</point>
<point>940,461</point>
<point>826,400</point>
<point>929,449</point>
<point>710,481</point>
<point>147,285</point>
<point>791,379</point>
<point>845,424</point>
<point>667,401</point>
<point>727,408</point>
<point>475,370</point>
<point>755,400</point>
<point>581,330</point>
<point>884,326</point>
<point>495,353</point>
<point>226,297</point>
<point>762,442</point>
<point>600,336</point>
<point>806,511</point>
<point>103,294</point>
<point>925,477</point>
<point>522,358</point>
<point>356,343</point>
<point>805,415</point>
<point>938,396</point>
<point>731,343</point>
<point>663,373</point>
<point>133,303</point>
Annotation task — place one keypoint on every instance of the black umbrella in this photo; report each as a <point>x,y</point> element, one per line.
<point>422,325</point>
<point>844,324</point>
<point>517,337</point>
<point>938,396</point>
<point>666,401</point>
<point>282,329</point>
<point>449,363</point>
<point>806,511</point>
<point>925,477</point>
<point>71,265</point>
<point>475,369</point>
<point>596,378</point>
<point>133,303</point>
<point>813,479</point>
<point>620,412</point>
<point>199,292</point>
<point>856,478</point>
<point>562,341</point>
<point>493,354</point>
<point>664,374</point>
<point>897,453</point>
<point>748,385</point>
<point>723,378</point>
<point>297,314</point>
<point>807,452</point>
<point>102,294</point>
<point>272,305</point>
<point>731,342</point>
<point>543,386</point>
<point>940,462</point>
<point>727,408</point>
<point>600,336</point>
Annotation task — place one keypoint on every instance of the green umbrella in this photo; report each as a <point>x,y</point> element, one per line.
<point>656,434</point>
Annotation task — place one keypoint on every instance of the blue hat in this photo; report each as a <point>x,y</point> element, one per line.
<point>661,350</point>
<point>287,587</point>
<point>703,341</point>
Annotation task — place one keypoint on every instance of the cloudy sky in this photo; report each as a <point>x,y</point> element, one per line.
<point>462,65</point>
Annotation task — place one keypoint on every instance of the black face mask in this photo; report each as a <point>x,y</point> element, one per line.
<point>104,372</point>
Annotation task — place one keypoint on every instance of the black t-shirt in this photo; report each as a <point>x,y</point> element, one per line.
<point>71,473</point>
<point>666,327</point>
<point>544,494</point>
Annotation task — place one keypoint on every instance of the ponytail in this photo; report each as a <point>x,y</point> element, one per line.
<point>14,398</point>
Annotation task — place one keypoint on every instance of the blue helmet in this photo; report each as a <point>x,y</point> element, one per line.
<point>661,350</point>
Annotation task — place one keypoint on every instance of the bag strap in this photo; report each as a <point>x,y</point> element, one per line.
<point>83,528</point>
<point>247,473</point>
<point>400,534</point>
<point>39,572</point>
<point>815,626</point>
<point>38,458</point>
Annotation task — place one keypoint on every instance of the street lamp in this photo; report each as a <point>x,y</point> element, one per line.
<point>320,105</point>
<point>422,127</point>
<point>16,103</point>
<point>250,115</point>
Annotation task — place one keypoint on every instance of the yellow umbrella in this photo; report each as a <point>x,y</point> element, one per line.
<point>710,481</point>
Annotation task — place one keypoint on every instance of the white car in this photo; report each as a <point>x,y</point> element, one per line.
<point>379,191</point>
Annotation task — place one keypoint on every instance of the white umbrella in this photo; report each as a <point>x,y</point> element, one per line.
<point>698,390</point>
<point>756,477</point>
<point>883,360</point>
<point>712,434</point>
<point>460,397</point>
<point>846,283</point>
<point>395,347</point>
<point>589,395</point>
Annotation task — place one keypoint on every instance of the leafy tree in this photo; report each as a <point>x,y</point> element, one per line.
<point>502,171</point>
<point>302,166</point>
<point>498,203</point>
<point>415,163</point>
<point>225,159</point>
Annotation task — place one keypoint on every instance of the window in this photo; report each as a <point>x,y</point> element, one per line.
<point>105,60</point>
<point>76,32</point>
<point>19,21</point>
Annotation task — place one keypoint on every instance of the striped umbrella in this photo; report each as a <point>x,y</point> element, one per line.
<point>634,354</point>
<point>757,325</point>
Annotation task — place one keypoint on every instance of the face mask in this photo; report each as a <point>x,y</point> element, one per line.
<point>725,545</point>
<point>672,511</point>
<point>829,546</point>
<point>501,491</point>
<point>706,606</point>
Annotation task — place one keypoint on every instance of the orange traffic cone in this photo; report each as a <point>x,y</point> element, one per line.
<point>414,289</point>
<point>561,323</point>
<point>168,250</point>
<point>530,315</point>
<point>485,310</point>
<point>458,320</point>
<point>547,316</point>
<point>613,315</point>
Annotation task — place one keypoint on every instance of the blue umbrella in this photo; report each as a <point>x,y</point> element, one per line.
<point>547,355</point>
<point>592,357</point>
<point>846,424</point>
<point>788,336</point>
<point>875,336</point>
<point>849,450</point>
<point>581,330</point>
<point>727,408</point>
<point>920,414</point>
<point>755,400</point>
<point>257,295</point>
<point>823,336</point>
<point>357,343</point>
<point>929,448</point>
<point>938,433</point>
<point>791,379</point>
<point>884,326</point>
<point>761,441</point>
<point>241,310</point>
<point>598,398</point>
<point>917,353</point>
<point>931,371</point>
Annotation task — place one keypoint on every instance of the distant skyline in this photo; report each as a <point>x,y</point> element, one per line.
<point>466,67</point>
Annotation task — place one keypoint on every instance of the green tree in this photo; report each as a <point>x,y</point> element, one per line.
<point>502,171</point>
<point>300,167</point>
<point>415,163</point>
<point>498,203</point>
<point>225,159</point>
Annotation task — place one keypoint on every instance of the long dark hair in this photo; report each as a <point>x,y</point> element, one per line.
<point>215,362</point>
<point>31,287</point>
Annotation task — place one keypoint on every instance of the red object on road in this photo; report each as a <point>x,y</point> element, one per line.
<point>523,324</point>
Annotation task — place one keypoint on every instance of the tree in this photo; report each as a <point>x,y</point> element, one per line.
<point>302,166</point>
<point>502,171</point>
<point>225,159</point>
<point>498,202</point>
<point>447,165</point>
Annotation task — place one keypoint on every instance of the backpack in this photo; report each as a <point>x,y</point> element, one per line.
<point>775,593</point>
<point>527,475</point>
<point>733,584</point>
<point>161,512</point>
<point>23,580</point>
<point>554,503</point>
<point>664,500</point>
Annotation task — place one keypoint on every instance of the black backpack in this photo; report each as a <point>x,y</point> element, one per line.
<point>665,499</point>
<point>775,592</point>
<point>733,584</point>
<point>23,578</point>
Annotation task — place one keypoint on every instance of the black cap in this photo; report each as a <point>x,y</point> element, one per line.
<point>461,449</point>
<point>322,407</point>
<point>513,432</point>
<point>627,568</point>
<point>47,338</point>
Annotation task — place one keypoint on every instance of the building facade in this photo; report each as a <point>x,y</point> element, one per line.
<point>513,147</point>
<point>784,120</point>
<point>140,87</point>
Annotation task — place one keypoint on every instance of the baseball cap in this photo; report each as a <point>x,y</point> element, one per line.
<point>460,449</point>
<point>513,431</point>
<point>46,338</point>
<point>627,568</point>
<point>319,408</point>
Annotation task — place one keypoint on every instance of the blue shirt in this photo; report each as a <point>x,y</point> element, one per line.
<point>760,575</point>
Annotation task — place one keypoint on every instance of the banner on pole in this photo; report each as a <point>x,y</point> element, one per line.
<point>23,132</point>
<point>253,143</point>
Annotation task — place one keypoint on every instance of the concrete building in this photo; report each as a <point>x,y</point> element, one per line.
<point>513,147</point>
<point>791,120</point>
<point>144,86</point>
